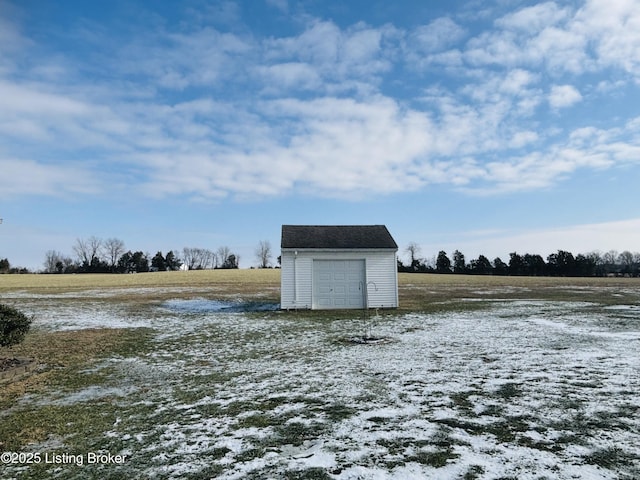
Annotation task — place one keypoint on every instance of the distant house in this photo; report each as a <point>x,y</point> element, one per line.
<point>338,266</point>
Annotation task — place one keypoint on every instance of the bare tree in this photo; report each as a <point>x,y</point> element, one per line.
<point>263,254</point>
<point>188,257</point>
<point>625,258</point>
<point>610,257</point>
<point>50,259</point>
<point>87,251</point>
<point>113,250</point>
<point>198,258</point>
<point>595,256</point>
<point>203,258</point>
<point>223,256</point>
<point>56,262</point>
<point>413,249</point>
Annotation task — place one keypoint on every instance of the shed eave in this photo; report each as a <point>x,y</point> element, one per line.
<point>293,249</point>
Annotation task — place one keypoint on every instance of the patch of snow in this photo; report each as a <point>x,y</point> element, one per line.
<point>487,390</point>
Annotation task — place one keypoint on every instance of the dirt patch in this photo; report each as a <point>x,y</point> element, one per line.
<point>368,340</point>
<point>14,368</point>
<point>8,363</point>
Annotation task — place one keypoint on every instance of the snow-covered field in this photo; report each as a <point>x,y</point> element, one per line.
<point>524,389</point>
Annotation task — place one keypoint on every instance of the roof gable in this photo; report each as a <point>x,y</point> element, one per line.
<point>337,237</point>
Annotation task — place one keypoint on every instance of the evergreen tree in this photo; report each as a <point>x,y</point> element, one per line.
<point>516,264</point>
<point>158,263</point>
<point>140,261</point>
<point>172,262</point>
<point>481,266</point>
<point>561,263</point>
<point>458,262</point>
<point>443,264</point>
<point>5,266</point>
<point>533,265</point>
<point>499,267</point>
<point>231,262</point>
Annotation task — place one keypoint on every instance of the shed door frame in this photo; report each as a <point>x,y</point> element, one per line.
<point>339,283</point>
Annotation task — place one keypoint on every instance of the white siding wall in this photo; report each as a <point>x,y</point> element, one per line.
<point>382,280</point>
<point>300,271</point>
<point>381,276</point>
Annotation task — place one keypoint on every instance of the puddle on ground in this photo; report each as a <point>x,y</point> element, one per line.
<point>203,305</point>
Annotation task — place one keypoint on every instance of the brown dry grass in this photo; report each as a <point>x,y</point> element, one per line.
<point>271,278</point>
<point>429,292</point>
<point>454,280</point>
<point>56,353</point>
<point>417,291</point>
<point>194,278</point>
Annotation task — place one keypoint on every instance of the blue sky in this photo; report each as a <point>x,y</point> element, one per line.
<point>488,127</point>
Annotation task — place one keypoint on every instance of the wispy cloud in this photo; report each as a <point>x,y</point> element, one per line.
<point>202,112</point>
<point>562,96</point>
<point>27,177</point>
<point>439,35</point>
<point>613,28</point>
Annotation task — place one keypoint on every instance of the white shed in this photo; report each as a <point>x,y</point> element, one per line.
<point>338,266</point>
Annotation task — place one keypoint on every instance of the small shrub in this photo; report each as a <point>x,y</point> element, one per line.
<point>13,326</point>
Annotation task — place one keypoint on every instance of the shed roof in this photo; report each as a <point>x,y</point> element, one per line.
<point>337,236</point>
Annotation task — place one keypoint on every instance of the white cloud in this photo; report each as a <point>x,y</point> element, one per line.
<point>201,57</point>
<point>292,124</point>
<point>342,59</point>
<point>614,29</point>
<point>27,177</point>
<point>438,35</point>
<point>599,35</point>
<point>560,50</point>
<point>318,44</point>
<point>35,100</point>
<point>556,47</point>
<point>290,76</point>
<point>585,148</point>
<point>534,19</point>
<point>330,147</point>
<point>562,96</point>
<point>38,115</point>
<point>523,138</point>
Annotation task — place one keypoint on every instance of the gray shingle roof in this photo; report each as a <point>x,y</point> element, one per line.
<point>337,236</point>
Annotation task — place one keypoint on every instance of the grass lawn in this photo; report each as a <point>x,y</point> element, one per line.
<point>199,375</point>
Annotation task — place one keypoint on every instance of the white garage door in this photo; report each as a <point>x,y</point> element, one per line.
<point>338,284</point>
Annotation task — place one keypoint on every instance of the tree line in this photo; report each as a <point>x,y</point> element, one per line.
<point>95,255</point>
<point>5,267</point>
<point>562,263</point>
